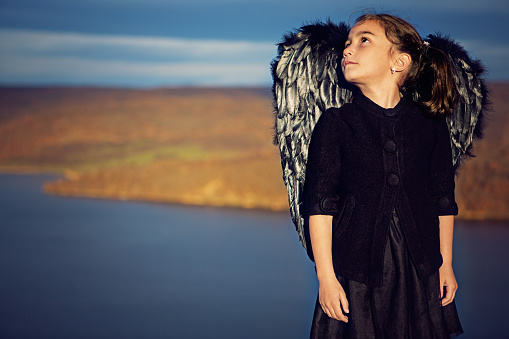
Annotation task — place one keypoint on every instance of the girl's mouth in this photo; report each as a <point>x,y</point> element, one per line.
<point>346,63</point>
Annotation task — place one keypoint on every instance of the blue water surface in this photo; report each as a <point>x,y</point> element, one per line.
<point>82,268</point>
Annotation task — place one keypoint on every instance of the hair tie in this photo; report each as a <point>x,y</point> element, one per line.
<point>425,46</point>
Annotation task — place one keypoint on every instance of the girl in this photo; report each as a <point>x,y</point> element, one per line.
<point>379,192</point>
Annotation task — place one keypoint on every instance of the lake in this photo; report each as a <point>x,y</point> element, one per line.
<point>83,268</point>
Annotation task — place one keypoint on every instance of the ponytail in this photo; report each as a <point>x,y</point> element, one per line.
<point>435,81</point>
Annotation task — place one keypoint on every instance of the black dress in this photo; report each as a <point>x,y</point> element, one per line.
<point>385,175</point>
<point>404,306</point>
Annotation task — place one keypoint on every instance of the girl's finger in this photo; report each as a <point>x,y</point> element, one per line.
<point>442,287</point>
<point>329,311</point>
<point>333,311</point>
<point>338,311</point>
<point>448,296</point>
<point>325,309</point>
<point>344,303</point>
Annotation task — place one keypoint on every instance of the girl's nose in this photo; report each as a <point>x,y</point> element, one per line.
<point>347,51</point>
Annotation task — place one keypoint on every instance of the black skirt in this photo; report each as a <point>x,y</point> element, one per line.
<point>404,306</point>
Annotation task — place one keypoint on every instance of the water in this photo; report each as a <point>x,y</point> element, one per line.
<point>81,268</point>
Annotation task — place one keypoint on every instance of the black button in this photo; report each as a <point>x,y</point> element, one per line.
<point>329,204</point>
<point>390,112</point>
<point>389,146</point>
<point>392,180</point>
<point>443,202</point>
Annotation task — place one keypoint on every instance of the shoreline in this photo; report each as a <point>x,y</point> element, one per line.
<point>185,201</point>
<point>191,201</point>
<point>51,188</point>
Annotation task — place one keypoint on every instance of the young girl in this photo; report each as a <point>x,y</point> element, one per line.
<point>379,192</point>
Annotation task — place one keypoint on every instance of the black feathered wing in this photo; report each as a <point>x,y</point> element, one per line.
<point>466,122</point>
<point>307,81</point>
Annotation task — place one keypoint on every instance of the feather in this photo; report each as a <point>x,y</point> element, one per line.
<point>283,63</point>
<point>305,83</point>
<point>302,52</point>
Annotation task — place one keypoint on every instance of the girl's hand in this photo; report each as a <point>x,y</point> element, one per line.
<point>332,298</point>
<point>331,295</point>
<point>447,280</point>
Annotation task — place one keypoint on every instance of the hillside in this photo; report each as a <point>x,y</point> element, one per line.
<point>191,146</point>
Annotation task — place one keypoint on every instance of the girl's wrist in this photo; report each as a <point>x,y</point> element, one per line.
<point>325,276</point>
<point>446,261</point>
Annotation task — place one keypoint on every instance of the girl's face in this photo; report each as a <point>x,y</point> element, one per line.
<point>367,56</point>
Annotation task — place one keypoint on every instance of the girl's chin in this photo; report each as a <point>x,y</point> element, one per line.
<point>350,78</point>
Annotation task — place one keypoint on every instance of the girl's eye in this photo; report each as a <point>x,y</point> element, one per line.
<point>363,39</point>
<point>347,44</point>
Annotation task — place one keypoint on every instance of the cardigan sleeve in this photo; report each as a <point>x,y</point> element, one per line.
<point>323,167</point>
<point>442,172</point>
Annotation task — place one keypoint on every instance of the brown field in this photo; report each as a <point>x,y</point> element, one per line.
<point>192,146</point>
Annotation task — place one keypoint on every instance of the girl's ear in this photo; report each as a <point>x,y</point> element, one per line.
<point>403,61</point>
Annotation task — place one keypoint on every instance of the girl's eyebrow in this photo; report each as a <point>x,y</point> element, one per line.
<point>362,33</point>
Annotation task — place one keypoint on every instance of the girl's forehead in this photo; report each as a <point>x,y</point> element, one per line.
<point>372,26</point>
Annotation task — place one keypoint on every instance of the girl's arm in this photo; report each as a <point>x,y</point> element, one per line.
<point>442,183</point>
<point>331,294</point>
<point>447,278</point>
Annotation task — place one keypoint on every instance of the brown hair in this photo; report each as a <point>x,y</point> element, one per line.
<point>430,72</point>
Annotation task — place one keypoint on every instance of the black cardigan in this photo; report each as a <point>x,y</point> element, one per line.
<point>365,161</point>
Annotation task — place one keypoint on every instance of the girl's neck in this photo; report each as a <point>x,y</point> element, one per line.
<point>383,97</point>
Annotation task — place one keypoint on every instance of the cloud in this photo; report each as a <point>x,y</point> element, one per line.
<point>33,56</point>
<point>37,42</point>
<point>96,72</point>
<point>41,57</point>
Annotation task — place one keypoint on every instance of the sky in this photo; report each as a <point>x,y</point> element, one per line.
<point>160,43</point>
